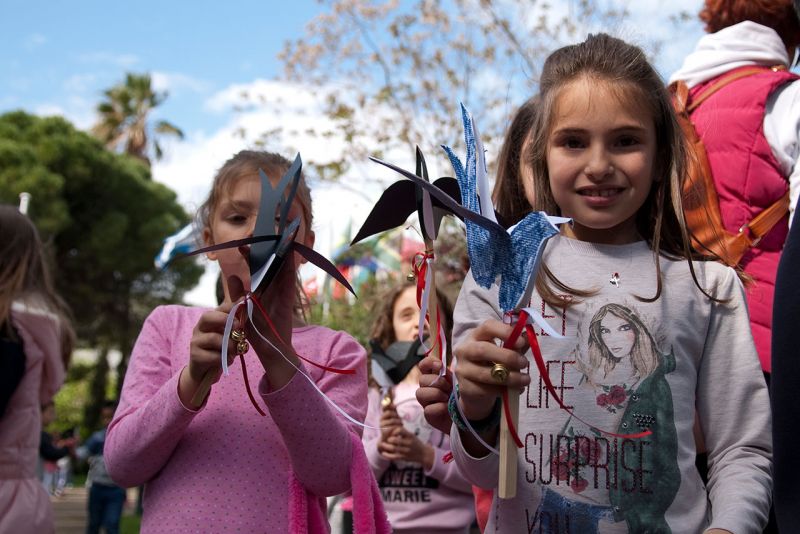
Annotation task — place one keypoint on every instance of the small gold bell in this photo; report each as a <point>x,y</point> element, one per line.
<point>242,347</point>
<point>411,277</point>
<point>237,335</point>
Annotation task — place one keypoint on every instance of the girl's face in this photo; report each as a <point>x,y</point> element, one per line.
<point>600,155</point>
<point>236,213</point>
<point>617,334</point>
<point>405,315</point>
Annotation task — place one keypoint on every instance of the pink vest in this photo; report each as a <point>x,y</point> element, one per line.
<point>748,179</point>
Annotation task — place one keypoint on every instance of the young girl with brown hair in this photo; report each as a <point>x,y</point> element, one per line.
<point>608,153</point>
<point>35,345</point>
<point>221,466</point>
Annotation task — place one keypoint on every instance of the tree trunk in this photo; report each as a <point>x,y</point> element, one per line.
<point>97,391</point>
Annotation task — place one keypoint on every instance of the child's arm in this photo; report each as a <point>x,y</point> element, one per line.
<point>734,411</point>
<point>476,325</point>
<point>150,419</point>
<point>316,437</point>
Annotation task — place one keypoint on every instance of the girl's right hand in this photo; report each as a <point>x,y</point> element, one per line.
<point>434,392</point>
<point>476,356</point>
<point>204,352</point>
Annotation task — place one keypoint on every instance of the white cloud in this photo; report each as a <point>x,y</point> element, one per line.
<point>33,41</point>
<point>119,60</point>
<point>77,110</point>
<point>175,82</point>
<point>80,83</point>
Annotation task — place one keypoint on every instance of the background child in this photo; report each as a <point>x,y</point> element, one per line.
<point>421,492</point>
<point>106,498</point>
<point>608,153</point>
<point>36,340</point>
<point>220,466</point>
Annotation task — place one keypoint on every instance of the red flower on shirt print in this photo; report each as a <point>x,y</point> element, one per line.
<point>614,397</point>
<point>572,460</point>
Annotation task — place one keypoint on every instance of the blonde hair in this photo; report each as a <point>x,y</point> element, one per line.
<point>24,275</point>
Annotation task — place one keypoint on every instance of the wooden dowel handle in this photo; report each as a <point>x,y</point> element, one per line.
<point>507,486</point>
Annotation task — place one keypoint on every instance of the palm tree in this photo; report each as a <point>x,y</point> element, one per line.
<point>124,114</point>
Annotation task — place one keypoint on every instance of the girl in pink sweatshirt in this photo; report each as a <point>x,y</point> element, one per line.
<point>423,491</point>
<point>220,466</point>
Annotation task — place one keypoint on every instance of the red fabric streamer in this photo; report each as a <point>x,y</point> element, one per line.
<point>537,357</point>
<point>275,332</point>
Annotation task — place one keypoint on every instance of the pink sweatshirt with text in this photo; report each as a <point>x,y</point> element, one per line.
<point>224,467</point>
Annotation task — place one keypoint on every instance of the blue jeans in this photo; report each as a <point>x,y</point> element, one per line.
<point>560,515</point>
<point>105,508</point>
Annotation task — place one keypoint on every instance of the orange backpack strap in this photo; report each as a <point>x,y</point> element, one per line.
<point>764,221</point>
<point>700,199</point>
<point>703,95</point>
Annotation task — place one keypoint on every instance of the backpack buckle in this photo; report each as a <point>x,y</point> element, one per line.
<point>748,232</point>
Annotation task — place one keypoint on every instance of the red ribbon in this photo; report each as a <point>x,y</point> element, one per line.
<point>537,357</point>
<point>275,332</point>
<point>420,267</point>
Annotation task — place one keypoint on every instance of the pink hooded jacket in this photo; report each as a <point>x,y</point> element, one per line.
<point>24,504</point>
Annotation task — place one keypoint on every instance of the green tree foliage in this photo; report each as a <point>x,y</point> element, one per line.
<point>124,118</point>
<point>103,220</point>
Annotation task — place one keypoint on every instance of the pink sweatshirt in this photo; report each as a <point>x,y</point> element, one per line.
<point>418,501</point>
<point>225,468</point>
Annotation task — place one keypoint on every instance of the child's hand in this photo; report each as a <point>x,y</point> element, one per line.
<point>390,421</point>
<point>434,392</point>
<point>476,356</point>
<point>278,300</point>
<point>404,445</point>
<point>204,352</point>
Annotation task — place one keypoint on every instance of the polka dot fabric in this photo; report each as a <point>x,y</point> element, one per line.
<point>225,468</point>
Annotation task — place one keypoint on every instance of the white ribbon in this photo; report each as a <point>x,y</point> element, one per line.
<point>423,305</point>
<point>535,317</point>
<point>310,380</point>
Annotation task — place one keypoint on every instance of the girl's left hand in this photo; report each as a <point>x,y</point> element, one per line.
<point>403,445</point>
<point>278,300</point>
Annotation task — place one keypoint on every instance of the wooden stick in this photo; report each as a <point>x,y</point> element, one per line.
<point>507,487</point>
<point>433,304</point>
<point>205,386</point>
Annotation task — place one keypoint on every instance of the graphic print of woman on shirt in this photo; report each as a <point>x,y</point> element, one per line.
<point>625,373</point>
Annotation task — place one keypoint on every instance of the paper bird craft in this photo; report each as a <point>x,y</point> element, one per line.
<point>256,260</point>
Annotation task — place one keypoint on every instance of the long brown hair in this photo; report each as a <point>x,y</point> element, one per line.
<point>508,194</point>
<point>24,276</point>
<point>625,70</point>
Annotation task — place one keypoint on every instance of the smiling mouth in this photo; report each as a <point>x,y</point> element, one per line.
<point>602,193</point>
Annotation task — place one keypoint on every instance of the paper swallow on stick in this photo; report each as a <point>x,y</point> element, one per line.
<point>402,198</point>
<point>256,260</point>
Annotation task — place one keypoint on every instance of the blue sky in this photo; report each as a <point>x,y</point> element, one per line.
<point>57,57</point>
<point>60,55</point>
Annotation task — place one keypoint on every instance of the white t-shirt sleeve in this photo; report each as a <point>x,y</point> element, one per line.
<point>782,130</point>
